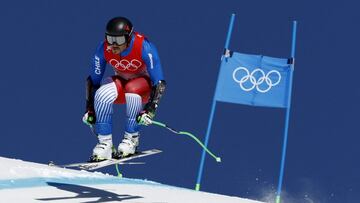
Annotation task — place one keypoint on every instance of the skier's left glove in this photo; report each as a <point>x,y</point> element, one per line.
<point>145,118</point>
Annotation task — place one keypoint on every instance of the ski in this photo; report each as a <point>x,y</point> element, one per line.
<point>90,166</point>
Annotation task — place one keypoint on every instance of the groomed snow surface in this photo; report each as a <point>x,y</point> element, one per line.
<point>22,181</point>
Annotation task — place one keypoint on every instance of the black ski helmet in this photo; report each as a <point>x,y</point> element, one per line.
<point>119,26</point>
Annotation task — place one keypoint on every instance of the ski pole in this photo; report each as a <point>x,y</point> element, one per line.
<point>92,129</point>
<point>218,159</point>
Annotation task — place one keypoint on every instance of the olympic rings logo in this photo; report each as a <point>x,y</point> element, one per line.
<point>256,82</point>
<point>124,64</point>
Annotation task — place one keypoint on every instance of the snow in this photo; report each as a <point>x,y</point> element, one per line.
<point>22,181</point>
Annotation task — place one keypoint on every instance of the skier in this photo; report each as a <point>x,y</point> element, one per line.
<point>138,80</point>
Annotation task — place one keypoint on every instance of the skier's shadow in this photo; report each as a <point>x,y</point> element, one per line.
<point>87,192</point>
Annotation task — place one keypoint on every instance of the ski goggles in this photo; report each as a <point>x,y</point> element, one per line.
<point>119,40</point>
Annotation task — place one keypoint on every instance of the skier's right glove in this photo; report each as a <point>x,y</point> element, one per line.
<point>89,118</point>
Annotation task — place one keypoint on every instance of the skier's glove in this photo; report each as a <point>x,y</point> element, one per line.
<point>145,118</point>
<point>89,118</point>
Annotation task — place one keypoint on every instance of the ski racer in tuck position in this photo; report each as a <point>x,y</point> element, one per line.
<point>138,80</point>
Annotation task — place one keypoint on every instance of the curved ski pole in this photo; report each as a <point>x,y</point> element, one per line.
<point>119,174</point>
<point>218,159</point>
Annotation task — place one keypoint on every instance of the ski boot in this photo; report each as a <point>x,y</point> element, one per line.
<point>103,150</point>
<point>128,145</point>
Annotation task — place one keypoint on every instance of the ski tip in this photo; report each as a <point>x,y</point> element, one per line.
<point>218,159</point>
<point>156,150</point>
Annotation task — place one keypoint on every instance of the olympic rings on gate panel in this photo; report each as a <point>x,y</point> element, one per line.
<point>256,82</point>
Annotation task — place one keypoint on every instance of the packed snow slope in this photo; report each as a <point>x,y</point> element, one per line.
<point>22,181</point>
